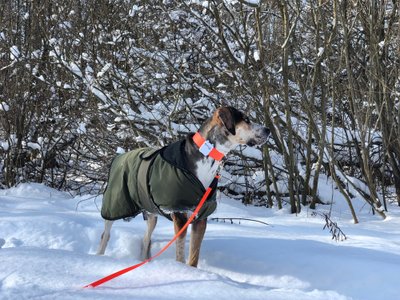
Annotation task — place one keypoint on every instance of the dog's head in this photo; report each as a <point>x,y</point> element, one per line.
<point>237,128</point>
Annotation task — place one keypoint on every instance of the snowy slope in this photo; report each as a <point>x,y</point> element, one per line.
<point>48,240</point>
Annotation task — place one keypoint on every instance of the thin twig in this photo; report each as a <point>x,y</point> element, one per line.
<point>93,197</point>
<point>239,219</point>
<point>334,229</point>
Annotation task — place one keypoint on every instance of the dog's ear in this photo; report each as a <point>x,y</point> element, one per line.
<point>226,117</point>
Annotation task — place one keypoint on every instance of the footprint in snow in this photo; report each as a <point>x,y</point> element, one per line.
<point>13,242</point>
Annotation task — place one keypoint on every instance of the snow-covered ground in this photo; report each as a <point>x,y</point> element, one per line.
<point>48,240</point>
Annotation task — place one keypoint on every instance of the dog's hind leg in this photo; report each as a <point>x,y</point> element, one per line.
<point>146,244</point>
<point>196,237</point>
<point>105,237</point>
<point>179,221</point>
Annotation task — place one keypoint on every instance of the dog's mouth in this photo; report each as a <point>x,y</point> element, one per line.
<point>260,139</point>
<point>251,143</point>
<point>258,142</point>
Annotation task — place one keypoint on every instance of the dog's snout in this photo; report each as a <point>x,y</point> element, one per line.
<point>264,135</point>
<point>259,137</point>
<point>263,132</point>
<point>266,131</point>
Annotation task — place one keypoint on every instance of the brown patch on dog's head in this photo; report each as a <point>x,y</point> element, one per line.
<point>229,117</point>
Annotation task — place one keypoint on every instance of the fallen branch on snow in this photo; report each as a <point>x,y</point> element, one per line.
<point>334,229</point>
<point>239,219</point>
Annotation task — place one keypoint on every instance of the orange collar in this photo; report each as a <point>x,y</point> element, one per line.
<point>206,148</point>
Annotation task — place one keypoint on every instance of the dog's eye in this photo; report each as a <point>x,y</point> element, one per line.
<point>247,120</point>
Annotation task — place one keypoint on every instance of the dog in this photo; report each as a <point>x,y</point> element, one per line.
<point>194,160</point>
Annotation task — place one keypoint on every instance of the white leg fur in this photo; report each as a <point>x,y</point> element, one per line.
<point>146,244</point>
<point>105,237</point>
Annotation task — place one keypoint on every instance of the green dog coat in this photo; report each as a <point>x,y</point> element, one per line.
<point>155,181</point>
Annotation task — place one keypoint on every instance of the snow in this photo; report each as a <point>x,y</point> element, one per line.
<point>48,240</point>
<point>4,145</point>
<point>75,69</point>
<point>4,106</point>
<point>133,10</point>
<point>33,145</point>
<point>104,70</point>
<point>249,2</point>
<point>81,128</point>
<point>120,150</point>
<point>14,52</point>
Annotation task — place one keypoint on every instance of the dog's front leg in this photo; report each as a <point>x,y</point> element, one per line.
<point>179,221</point>
<point>105,237</point>
<point>196,237</point>
<point>146,244</point>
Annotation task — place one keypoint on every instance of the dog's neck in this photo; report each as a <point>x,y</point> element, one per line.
<point>205,167</point>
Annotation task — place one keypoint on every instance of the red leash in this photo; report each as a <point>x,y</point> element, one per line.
<point>194,214</point>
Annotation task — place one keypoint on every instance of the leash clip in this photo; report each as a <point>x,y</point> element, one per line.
<point>206,148</point>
